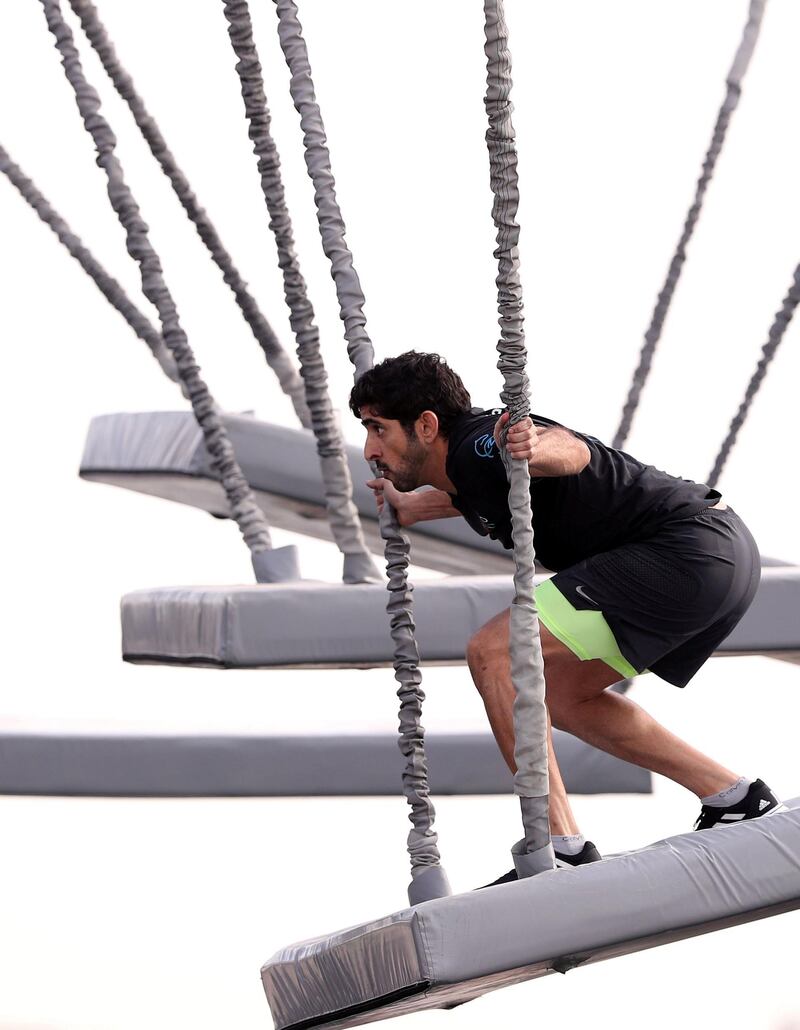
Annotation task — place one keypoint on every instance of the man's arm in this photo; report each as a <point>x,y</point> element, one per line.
<point>418,506</point>
<point>551,450</point>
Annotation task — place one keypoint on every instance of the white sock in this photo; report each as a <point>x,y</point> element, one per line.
<point>570,845</point>
<point>731,795</point>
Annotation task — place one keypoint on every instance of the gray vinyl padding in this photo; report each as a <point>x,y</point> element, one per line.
<point>311,623</point>
<point>451,950</point>
<point>162,453</point>
<point>158,764</point>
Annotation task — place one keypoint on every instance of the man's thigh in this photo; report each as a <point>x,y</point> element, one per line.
<point>568,679</point>
<point>566,674</point>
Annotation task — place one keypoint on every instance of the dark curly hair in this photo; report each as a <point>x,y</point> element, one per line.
<point>403,387</point>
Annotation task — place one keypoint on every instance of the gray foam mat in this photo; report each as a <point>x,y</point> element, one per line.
<point>449,951</point>
<point>182,765</point>
<point>310,623</point>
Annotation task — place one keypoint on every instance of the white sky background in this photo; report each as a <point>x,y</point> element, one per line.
<point>175,903</point>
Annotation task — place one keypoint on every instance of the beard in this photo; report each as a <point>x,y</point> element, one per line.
<point>405,474</point>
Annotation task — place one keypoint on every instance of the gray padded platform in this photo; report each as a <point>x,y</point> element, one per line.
<point>162,453</point>
<point>179,765</point>
<point>318,624</point>
<point>445,952</point>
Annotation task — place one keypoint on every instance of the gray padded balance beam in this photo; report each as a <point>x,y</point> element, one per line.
<point>311,624</point>
<point>451,950</point>
<point>93,764</point>
<point>162,453</point>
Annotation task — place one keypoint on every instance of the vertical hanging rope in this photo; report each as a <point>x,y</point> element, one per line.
<point>429,879</point>
<point>106,283</point>
<point>777,331</point>
<point>269,565</point>
<point>342,513</point>
<point>276,356</point>
<point>732,93</point>
<point>318,163</point>
<point>534,853</point>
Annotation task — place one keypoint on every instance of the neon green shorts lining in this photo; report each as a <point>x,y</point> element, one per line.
<point>585,633</point>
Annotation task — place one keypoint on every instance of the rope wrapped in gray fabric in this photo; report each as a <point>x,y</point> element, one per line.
<point>777,331</point>
<point>244,510</point>
<point>105,282</point>
<point>534,853</point>
<point>428,877</point>
<point>342,513</point>
<point>318,162</point>
<point>732,93</point>
<point>276,356</point>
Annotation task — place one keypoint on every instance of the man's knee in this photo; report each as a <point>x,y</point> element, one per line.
<point>487,647</point>
<point>478,650</point>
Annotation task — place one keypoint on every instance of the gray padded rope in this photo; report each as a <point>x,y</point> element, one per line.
<point>106,283</point>
<point>276,356</point>
<point>776,333</point>
<point>429,879</point>
<point>252,524</point>
<point>342,513</point>
<point>534,853</point>
<point>733,92</point>
<point>318,162</point>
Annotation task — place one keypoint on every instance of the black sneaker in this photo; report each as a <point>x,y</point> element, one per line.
<point>758,801</point>
<point>588,853</point>
<point>508,877</point>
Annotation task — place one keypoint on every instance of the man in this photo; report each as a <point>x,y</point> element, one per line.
<point>652,572</point>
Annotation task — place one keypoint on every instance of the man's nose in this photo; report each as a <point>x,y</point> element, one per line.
<point>371,450</point>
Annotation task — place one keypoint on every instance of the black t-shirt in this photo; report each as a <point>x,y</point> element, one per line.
<point>615,500</point>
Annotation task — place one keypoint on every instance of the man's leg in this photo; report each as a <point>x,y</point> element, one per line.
<point>579,703</point>
<point>489,661</point>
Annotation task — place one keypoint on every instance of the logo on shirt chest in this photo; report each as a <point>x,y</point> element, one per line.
<point>485,446</point>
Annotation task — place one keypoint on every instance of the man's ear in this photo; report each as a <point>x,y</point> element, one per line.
<point>428,426</point>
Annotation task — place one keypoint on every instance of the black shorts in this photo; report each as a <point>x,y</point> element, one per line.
<point>670,600</point>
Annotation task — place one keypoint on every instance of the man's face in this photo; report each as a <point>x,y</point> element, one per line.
<point>398,456</point>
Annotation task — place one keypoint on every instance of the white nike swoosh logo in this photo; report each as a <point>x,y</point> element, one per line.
<point>585,596</point>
